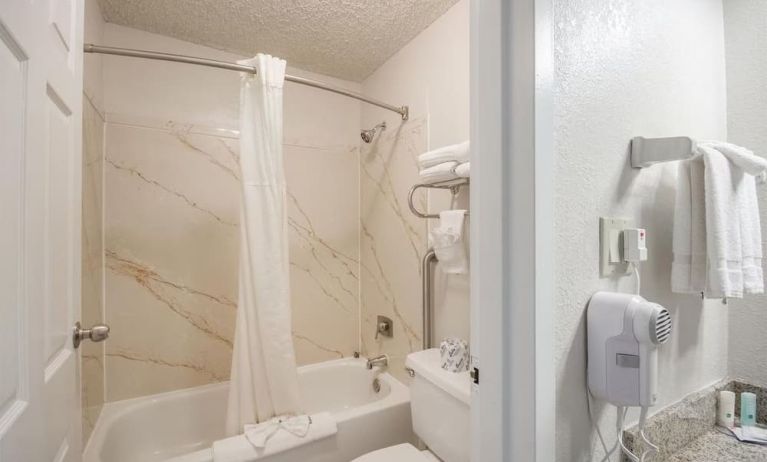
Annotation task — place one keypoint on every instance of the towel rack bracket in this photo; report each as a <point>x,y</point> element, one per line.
<point>646,152</point>
<point>453,185</point>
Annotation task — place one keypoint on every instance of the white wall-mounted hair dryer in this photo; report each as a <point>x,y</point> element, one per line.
<point>624,332</point>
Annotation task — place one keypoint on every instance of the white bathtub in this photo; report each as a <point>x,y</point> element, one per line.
<point>186,422</point>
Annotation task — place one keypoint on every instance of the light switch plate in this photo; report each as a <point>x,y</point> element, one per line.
<point>611,246</point>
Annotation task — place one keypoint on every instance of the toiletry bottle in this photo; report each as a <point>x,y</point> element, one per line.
<point>725,416</point>
<point>747,409</point>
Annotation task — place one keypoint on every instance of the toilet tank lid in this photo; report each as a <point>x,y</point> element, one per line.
<point>426,363</point>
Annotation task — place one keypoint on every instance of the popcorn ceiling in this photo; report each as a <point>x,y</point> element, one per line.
<point>341,38</point>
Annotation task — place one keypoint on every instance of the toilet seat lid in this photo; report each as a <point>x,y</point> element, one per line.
<point>401,453</point>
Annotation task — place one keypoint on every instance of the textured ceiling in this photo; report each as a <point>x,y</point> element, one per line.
<point>341,38</point>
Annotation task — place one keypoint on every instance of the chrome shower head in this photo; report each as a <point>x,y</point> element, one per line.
<point>367,135</point>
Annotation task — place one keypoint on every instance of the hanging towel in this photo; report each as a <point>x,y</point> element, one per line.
<point>463,170</point>
<point>455,152</point>
<point>689,267</point>
<point>438,173</point>
<point>733,229</point>
<point>273,437</point>
<point>730,227</point>
<point>448,243</point>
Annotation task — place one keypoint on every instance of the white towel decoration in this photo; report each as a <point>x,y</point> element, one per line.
<point>259,434</point>
<point>275,436</point>
<point>448,244</point>
<point>453,153</point>
<point>717,232</point>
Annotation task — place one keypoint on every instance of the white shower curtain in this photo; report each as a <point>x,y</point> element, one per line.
<point>264,378</point>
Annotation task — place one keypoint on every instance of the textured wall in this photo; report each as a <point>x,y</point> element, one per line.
<point>431,75</point>
<point>172,218</point>
<point>92,310</point>
<point>746,45</point>
<point>622,69</point>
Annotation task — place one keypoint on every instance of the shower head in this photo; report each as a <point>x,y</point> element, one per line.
<point>367,135</point>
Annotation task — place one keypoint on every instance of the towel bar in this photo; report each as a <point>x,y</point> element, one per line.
<point>453,185</point>
<point>649,151</point>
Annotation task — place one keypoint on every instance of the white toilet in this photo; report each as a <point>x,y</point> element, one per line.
<point>439,402</point>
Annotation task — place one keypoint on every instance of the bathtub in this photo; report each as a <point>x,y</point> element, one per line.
<point>182,425</point>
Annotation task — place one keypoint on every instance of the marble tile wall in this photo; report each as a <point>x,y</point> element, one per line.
<point>171,224</point>
<point>392,242</point>
<point>92,368</point>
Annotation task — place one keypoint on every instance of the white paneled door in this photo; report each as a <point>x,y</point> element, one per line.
<point>40,170</point>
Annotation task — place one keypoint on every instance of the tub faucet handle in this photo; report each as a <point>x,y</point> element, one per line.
<point>384,326</point>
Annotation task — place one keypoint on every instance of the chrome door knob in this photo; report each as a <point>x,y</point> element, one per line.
<point>97,333</point>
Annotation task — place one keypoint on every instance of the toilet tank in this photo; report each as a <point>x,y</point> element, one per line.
<point>439,402</point>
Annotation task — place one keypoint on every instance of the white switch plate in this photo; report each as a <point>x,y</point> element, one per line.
<point>611,246</point>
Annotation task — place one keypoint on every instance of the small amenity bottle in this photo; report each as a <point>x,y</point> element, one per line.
<point>747,409</point>
<point>725,416</point>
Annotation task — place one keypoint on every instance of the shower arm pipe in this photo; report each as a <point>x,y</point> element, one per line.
<point>403,111</point>
<point>427,264</point>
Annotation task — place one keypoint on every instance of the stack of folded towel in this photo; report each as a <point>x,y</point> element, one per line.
<point>445,164</point>
<point>717,232</point>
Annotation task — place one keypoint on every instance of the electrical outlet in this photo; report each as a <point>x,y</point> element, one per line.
<point>611,246</point>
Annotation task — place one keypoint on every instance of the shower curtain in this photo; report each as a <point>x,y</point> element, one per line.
<point>264,380</point>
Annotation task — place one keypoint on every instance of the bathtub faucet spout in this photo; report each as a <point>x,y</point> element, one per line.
<point>382,360</point>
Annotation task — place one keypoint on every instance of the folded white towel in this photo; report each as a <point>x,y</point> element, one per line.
<point>717,245</point>
<point>688,270</point>
<point>455,152</point>
<point>463,170</point>
<point>441,172</point>
<point>273,437</point>
<point>733,230</point>
<point>448,243</point>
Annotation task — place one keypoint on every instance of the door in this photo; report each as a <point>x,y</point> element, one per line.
<point>40,155</point>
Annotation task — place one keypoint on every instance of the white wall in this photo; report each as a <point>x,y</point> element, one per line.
<point>623,69</point>
<point>746,45</point>
<point>431,75</point>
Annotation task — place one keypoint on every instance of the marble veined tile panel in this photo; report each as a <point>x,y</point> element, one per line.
<point>392,241</point>
<point>172,239</point>
<point>92,354</point>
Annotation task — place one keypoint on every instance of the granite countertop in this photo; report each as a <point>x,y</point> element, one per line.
<point>715,446</point>
<point>687,432</point>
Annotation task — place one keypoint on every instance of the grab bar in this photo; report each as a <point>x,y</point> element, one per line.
<point>427,277</point>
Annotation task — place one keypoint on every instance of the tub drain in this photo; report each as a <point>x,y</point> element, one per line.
<point>376,385</point>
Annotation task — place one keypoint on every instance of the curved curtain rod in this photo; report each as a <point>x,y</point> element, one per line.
<point>403,111</point>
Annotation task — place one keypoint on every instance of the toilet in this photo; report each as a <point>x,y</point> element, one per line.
<point>439,402</point>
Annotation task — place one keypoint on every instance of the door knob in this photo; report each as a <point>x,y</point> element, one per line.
<point>97,333</point>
